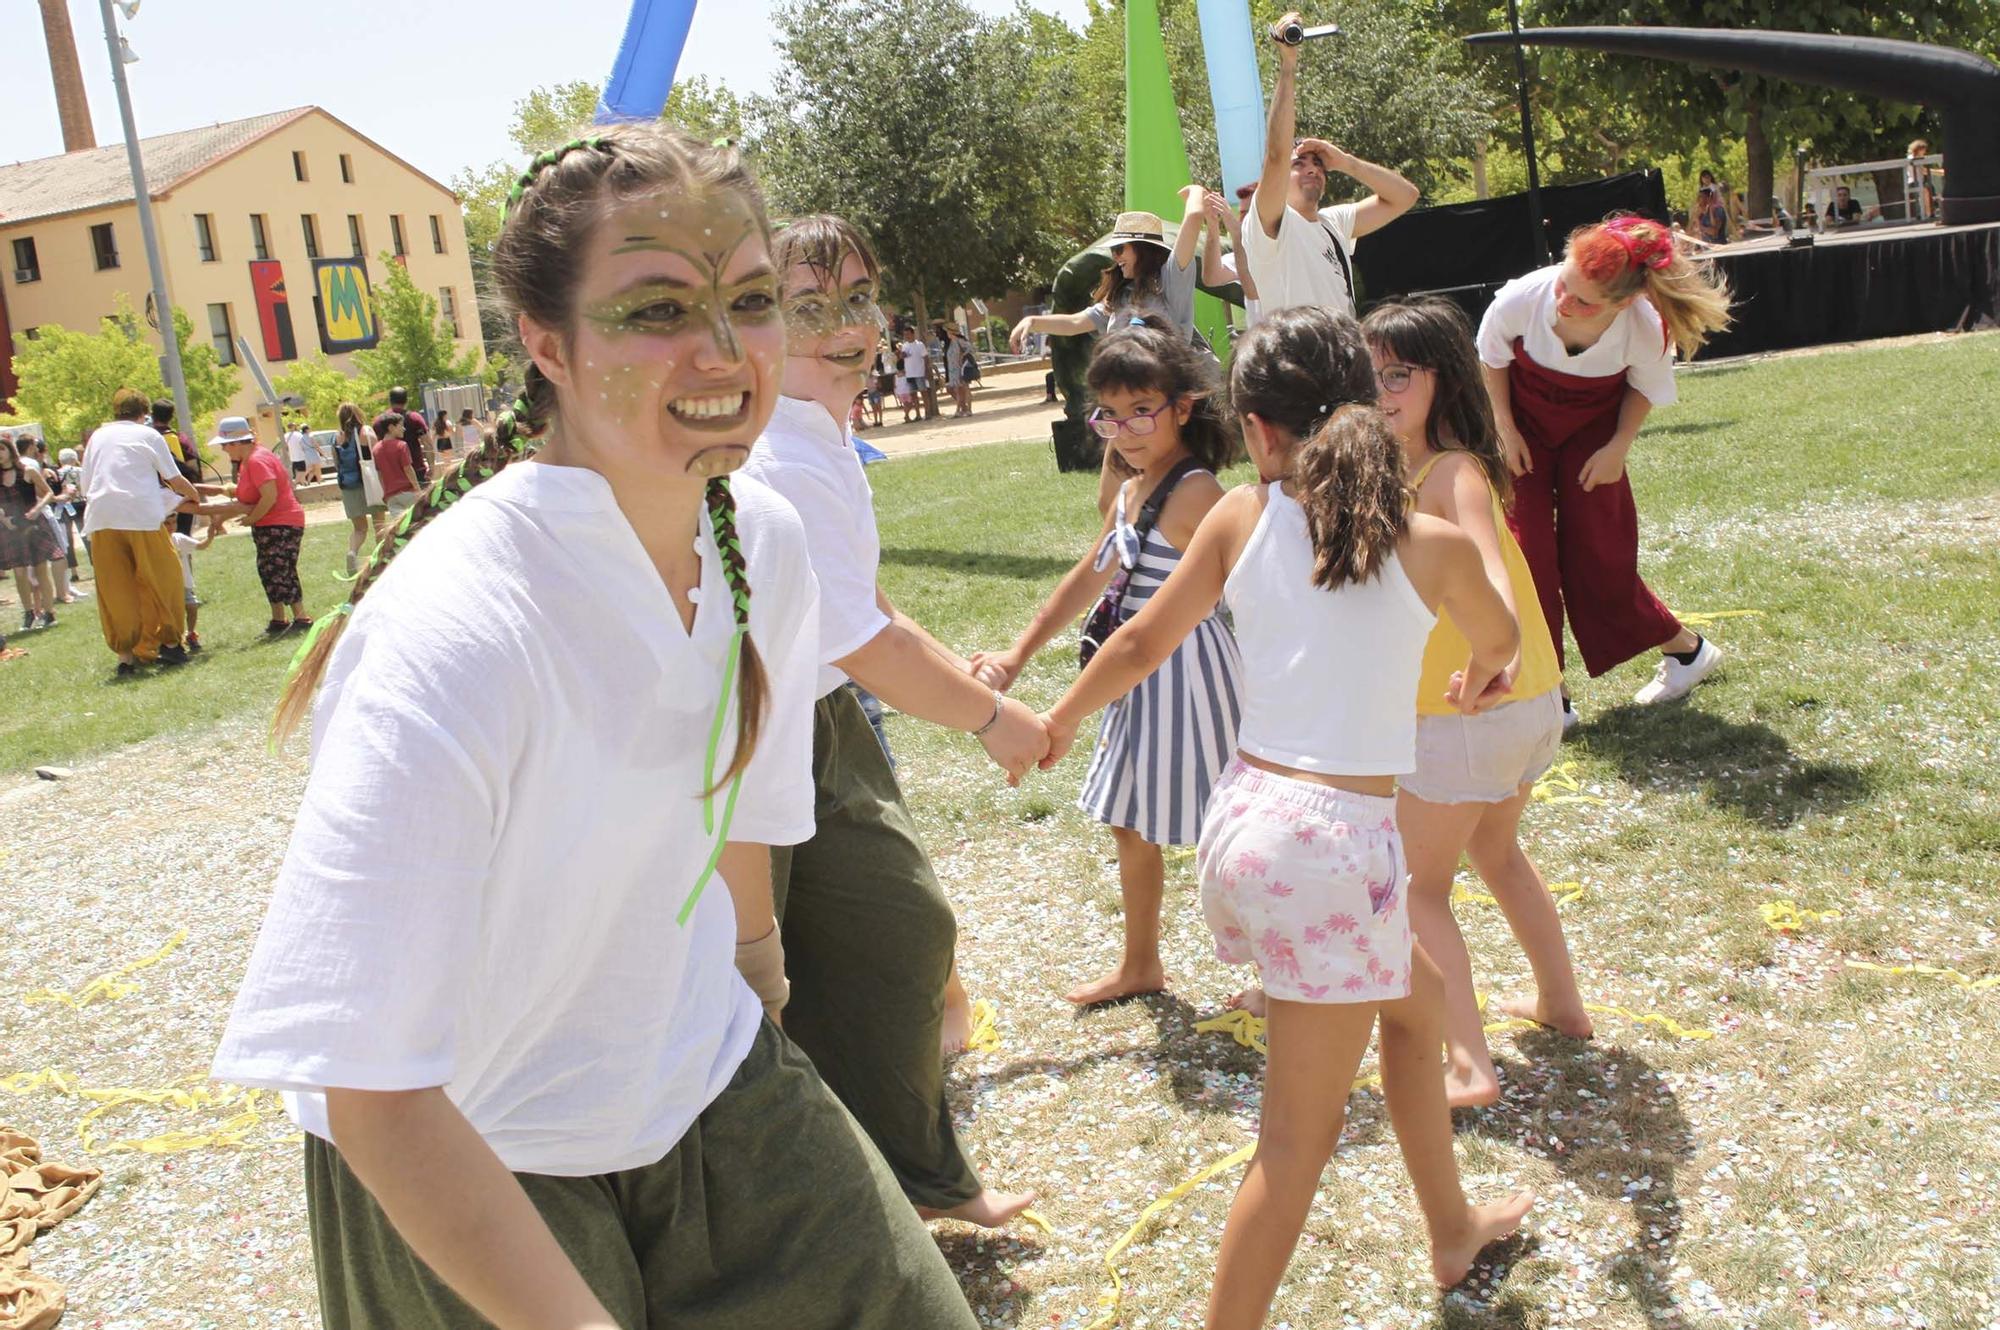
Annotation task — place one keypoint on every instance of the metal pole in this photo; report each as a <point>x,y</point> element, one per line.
<point>162,306</point>
<point>1540,228</point>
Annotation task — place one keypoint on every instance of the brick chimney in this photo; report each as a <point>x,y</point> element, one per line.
<point>71,104</point>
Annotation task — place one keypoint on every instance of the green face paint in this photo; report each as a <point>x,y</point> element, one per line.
<point>819,306</point>
<point>707,236</point>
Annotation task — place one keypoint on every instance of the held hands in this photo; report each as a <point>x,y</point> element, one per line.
<point>1606,466</point>
<point>996,669</point>
<point>1017,742</point>
<point>1061,739</point>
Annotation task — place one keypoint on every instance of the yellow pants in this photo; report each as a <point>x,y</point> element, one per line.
<point>139,599</point>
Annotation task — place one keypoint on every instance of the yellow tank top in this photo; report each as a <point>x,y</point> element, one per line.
<point>1446,651</point>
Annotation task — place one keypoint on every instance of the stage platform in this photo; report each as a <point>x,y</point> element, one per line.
<point>1849,285</point>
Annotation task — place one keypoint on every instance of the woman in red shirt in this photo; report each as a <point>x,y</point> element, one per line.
<point>277,523</point>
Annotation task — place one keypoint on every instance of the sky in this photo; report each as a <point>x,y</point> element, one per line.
<point>433,81</point>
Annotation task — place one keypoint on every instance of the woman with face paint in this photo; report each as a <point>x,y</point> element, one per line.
<point>535,1090</point>
<point>869,935</point>
<point>1576,355</point>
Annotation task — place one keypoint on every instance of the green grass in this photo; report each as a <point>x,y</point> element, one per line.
<point>63,700</point>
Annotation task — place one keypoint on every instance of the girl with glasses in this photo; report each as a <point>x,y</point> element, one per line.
<point>1474,773</point>
<point>1160,749</point>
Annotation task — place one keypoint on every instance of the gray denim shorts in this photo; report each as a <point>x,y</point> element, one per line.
<point>1484,759</point>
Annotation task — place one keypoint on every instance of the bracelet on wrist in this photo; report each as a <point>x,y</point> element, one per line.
<point>999,702</point>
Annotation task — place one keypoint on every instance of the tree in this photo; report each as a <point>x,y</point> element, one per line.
<point>908,118</point>
<point>415,345</point>
<point>549,117</point>
<point>320,385</point>
<point>68,377</point>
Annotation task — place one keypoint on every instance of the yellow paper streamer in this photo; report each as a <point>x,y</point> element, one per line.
<point>1239,1025</point>
<point>1715,616</point>
<point>1112,1301</point>
<point>1667,1023</point>
<point>1564,892</point>
<point>252,1108</point>
<point>1784,916</point>
<point>985,1036</point>
<point>1559,785</point>
<point>109,986</point>
<point>1940,971</point>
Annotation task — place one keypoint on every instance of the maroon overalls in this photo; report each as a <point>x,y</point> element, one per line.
<point>1582,547</point>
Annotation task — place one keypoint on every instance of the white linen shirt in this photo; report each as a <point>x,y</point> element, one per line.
<point>1635,344</point>
<point>807,457</point>
<point>1298,266</point>
<point>504,817</point>
<point>123,466</point>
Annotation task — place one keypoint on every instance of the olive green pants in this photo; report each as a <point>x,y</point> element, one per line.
<point>772,1211</point>
<point>868,946</point>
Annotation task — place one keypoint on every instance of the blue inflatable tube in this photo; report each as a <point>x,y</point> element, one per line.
<point>1231,51</point>
<point>647,57</point>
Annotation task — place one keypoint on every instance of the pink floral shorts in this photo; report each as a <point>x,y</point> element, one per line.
<point>1308,884</point>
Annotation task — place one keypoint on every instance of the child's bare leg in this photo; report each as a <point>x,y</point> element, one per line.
<point>1495,850</point>
<point>1315,1048</point>
<point>1412,1032</point>
<point>1142,881</point>
<point>1433,837</point>
<point>957,1014</point>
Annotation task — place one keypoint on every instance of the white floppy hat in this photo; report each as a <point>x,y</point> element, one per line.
<point>232,429</point>
<point>1140,228</point>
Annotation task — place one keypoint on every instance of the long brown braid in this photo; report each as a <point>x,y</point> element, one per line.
<point>535,267</point>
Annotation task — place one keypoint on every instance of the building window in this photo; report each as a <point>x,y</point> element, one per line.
<point>310,225</point>
<point>437,234</point>
<point>260,236</point>
<point>396,243</point>
<point>103,246</point>
<point>204,235</point>
<point>355,245</point>
<point>27,266</point>
<point>346,169</point>
<point>221,334</point>
<point>448,302</point>
<point>299,166</point>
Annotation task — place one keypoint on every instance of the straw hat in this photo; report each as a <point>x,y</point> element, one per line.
<point>1140,228</point>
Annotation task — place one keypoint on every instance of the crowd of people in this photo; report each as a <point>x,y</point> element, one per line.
<point>627,646</point>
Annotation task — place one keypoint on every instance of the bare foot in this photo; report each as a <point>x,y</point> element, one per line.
<point>1252,1000</point>
<point>1470,1089</point>
<point>957,1026</point>
<point>989,1209</point>
<point>1451,1261</point>
<point>1574,1024</point>
<point>1120,983</point>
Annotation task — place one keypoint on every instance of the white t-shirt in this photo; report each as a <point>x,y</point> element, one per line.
<point>520,675</point>
<point>915,354</point>
<point>1300,266</point>
<point>122,470</point>
<point>297,442</point>
<point>469,437</point>
<point>1635,344</point>
<point>806,456</point>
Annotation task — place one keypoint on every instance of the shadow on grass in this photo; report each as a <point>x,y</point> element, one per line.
<point>983,1261</point>
<point>1613,1128</point>
<point>1030,567</point>
<point>1749,769</point>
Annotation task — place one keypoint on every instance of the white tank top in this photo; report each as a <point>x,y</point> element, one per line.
<point>1329,677</point>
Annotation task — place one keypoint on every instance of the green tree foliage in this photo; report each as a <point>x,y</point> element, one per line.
<point>321,386</point>
<point>554,115</point>
<point>416,346</point>
<point>68,377</point>
<point>909,118</point>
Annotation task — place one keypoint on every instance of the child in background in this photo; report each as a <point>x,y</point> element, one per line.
<point>186,546</point>
<point>1474,774</point>
<point>1160,749</point>
<point>1334,584</point>
<point>1576,356</point>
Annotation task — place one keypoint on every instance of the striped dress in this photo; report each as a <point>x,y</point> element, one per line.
<point>1162,746</point>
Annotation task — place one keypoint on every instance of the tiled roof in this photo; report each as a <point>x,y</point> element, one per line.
<point>97,177</point>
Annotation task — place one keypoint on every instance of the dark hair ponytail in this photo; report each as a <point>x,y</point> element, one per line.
<point>536,267</point>
<point>1349,479</point>
<point>1299,365</point>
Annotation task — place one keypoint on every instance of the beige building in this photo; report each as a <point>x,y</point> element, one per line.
<point>267,228</point>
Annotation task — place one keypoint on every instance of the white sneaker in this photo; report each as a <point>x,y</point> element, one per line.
<point>1570,717</point>
<point>1674,679</point>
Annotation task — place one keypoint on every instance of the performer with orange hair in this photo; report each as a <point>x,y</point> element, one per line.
<point>1576,355</point>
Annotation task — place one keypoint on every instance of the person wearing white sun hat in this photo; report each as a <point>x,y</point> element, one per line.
<point>264,499</point>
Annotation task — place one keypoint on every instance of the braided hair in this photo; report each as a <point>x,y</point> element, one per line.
<point>536,267</point>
